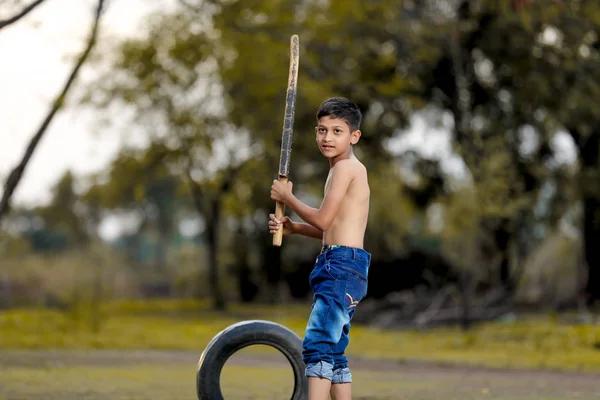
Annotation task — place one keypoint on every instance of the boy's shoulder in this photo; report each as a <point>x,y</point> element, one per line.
<point>350,165</point>
<point>351,170</point>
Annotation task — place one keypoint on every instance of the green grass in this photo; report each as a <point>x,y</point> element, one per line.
<point>536,342</point>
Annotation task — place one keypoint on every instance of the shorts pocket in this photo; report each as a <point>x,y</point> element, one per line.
<point>355,290</point>
<point>352,271</point>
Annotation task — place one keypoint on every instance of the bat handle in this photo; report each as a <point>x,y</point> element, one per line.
<point>279,213</point>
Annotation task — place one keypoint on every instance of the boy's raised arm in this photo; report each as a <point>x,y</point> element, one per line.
<point>323,217</point>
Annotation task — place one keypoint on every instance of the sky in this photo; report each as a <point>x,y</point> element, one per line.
<point>37,56</point>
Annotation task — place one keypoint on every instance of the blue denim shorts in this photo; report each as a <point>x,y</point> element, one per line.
<point>339,283</point>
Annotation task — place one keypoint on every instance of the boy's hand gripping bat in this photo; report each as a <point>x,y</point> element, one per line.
<point>288,129</point>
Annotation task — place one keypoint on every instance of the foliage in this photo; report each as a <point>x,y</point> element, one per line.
<point>64,213</point>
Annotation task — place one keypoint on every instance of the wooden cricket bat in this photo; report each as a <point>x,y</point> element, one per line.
<point>288,129</point>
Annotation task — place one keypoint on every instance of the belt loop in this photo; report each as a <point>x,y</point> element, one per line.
<point>353,254</point>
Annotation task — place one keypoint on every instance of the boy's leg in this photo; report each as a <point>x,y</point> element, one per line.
<point>337,292</point>
<point>324,328</point>
<point>325,324</point>
<point>318,388</point>
<point>341,391</point>
<point>341,388</point>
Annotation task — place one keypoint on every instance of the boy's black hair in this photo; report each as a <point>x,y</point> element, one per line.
<point>342,108</point>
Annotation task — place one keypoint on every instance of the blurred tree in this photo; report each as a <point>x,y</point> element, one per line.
<point>63,214</point>
<point>431,179</point>
<point>576,60</point>
<point>21,13</point>
<point>557,52</point>
<point>491,68</point>
<point>170,81</point>
<point>475,43</point>
<point>17,173</point>
<point>512,65</point>
<point>460,86</point>
<point>138,180</point>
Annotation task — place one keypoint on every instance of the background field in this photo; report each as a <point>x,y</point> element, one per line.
<point>149,350</point>
<point>170,375</point>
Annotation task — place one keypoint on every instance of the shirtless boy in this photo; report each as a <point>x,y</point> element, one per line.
<point>339,277</point>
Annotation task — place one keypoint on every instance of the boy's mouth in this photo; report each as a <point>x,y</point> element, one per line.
<point>327,147</point>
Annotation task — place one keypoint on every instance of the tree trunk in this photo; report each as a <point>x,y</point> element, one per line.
<point>591,238</point>
<point>210,209</point>
<point>162,247</point>
<point>209,204</point>
<point>212,236</point>
<point>590,193</point>
<point>247,288</point>
<point>502,236</point>
<point>272,268</point>
<point>464,287</point>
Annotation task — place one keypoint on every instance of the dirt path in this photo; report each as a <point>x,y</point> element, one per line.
<point>108,374</point>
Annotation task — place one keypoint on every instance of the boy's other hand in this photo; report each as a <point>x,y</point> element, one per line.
<point>274,224</point>
<point>280,191</point>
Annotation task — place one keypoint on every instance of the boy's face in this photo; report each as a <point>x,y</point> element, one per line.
<point>334,136</point>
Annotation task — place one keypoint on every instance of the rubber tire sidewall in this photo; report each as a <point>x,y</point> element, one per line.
<point>241,335</point>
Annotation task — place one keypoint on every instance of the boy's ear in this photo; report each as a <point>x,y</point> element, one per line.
<point>355,136</point>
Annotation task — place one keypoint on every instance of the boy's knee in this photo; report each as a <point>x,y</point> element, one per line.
<point>321,369</point>
<point>342,375</point>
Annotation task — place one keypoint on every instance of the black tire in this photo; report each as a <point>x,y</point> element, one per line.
<point>242,334</point>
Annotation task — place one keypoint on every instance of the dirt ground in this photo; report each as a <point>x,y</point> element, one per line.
<point>170,375</point>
